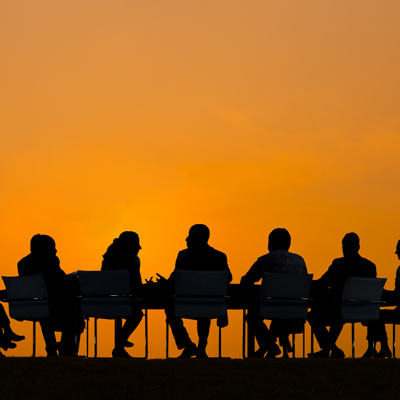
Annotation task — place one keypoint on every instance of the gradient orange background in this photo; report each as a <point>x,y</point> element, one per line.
<point>242,115</point>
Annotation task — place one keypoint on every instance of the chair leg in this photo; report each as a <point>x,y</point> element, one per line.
<point>244,335</point>
<point>34,339</point>
<point>219,342</point>
<point>394,340</point>
<point>167,341</point>
<point>352,340</point>
<point>294,344</point>
<point>95,337</point>
<point>312,340</point>
<point>146,335</point>
<point>87,338</point>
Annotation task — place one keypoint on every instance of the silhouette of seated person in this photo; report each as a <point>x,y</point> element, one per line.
<point>377,331</point>
<point>123,254</point>
<point>278,260</point>
<point>199,256</point>
<point>62,291</point>
<point>327,293</point>
<point>7,336</point>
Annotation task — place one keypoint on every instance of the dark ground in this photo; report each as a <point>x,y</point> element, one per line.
<point>67,378</point>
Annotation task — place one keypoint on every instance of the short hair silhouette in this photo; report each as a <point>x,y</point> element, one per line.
<point>351,244</point>
<point>42,244</point>
<point>199,233</point>
<point>279,238</point>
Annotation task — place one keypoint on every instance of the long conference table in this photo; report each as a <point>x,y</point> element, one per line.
<point>156,296</point>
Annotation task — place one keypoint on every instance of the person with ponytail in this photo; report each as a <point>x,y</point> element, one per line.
<point>123,254</point>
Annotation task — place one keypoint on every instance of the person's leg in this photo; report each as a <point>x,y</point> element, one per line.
<point>5,324</point>
<point>203,330</point>
<point>128,328</point>
<point>334,333</point>
<point>319,329</point>
<point>49,337</point>
<point>376,332</point>
<point>282,329</point>
<point>261,333</point>
<point>180,334</point>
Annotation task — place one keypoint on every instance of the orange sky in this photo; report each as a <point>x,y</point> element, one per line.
<point>245,116</point>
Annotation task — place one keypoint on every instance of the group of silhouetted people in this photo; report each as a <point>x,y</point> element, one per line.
<point>67,318</point>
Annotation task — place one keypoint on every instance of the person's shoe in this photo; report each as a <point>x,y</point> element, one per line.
<point>337,353</point>
<point>121,353</point>
<point>370,353</point>
<point>289,348</point>
<point>319,354</point>
<point>128,344</point>
<point>384,353</point>
<point>260,353</point>
<point>201,353</point>
<point>14,337</point>
<point>6,344</point>
<point>273,351</point>
<point>189,351</point>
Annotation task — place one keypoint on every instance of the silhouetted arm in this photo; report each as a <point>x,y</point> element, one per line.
<point>254,274</point>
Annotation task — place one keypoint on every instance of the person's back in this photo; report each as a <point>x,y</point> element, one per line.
<point>327,293</point>
<point>342,268</point>
<point>199,256</point>
<point>123,254</point>
<point>61,290</point>
<point>49,266</point>
<point>278,260</point>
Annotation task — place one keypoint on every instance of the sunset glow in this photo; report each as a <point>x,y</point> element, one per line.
<point>244,116</point>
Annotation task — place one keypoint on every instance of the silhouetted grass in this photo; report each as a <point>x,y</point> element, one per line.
<point>67,378</point>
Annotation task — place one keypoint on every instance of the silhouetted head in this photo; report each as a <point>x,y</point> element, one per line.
<point>43,245</point>
<point>128,241</point>
<point>398,250</point>
<point>198,236</point>
<point>278,239</point>
<point>350,244</point>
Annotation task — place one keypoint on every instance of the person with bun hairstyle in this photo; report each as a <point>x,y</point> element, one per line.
<point>123,254</point>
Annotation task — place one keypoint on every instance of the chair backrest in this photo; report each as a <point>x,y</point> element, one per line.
<point>200,294</point>
<point>361,298</point>
<point>27,297</point>
<point>105,294</point>
<point>284,296</point>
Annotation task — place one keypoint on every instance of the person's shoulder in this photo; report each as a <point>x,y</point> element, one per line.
<point>217,252</point>
<point>25,260</point>
<point>297,257</point>
<point>368,262</point>
<point>338,261</point>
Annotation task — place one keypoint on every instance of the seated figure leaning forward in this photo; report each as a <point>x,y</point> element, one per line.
<point>62,291</point>
<point>327,294</point>
<point>278,260</point>
<point>123,254</point>
<point>199,256</point>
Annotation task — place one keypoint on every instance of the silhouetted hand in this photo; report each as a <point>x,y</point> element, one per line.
<point>161,279</point>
